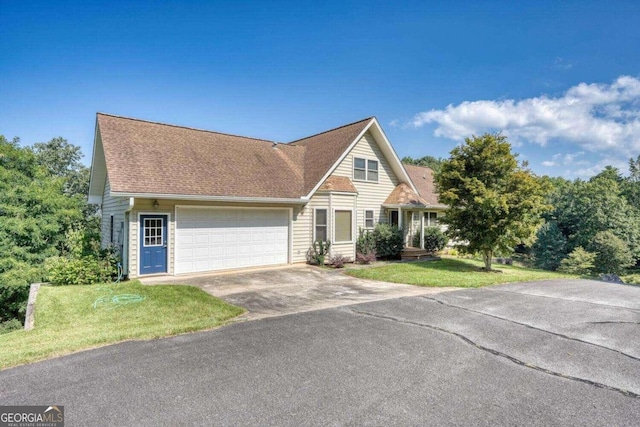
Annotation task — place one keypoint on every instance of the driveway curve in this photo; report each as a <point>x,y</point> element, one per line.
<point>293,289</point>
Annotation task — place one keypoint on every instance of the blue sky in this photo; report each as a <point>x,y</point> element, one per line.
<point>560,79</point>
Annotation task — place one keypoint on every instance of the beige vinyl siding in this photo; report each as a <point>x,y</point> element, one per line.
<point>303,224</point>
<point>302,231</point>
<point>371,195</point>
<point>112,206</point>
<point>168,207</point>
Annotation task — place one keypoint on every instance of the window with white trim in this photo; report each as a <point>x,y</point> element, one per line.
<point>320,225</point>
<point>153,232</point>
<point>343,226</point>
<point>368,219</point>
<point>365,169</point>
<point>431,219</point>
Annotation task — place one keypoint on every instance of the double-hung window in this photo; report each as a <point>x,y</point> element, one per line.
<point>320,226</point>
<point>368,219</point>
<point>365,169</point>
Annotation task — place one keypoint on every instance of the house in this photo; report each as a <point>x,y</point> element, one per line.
<point>178,200</point>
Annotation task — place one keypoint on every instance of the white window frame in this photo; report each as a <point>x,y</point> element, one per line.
<point>326,225</point>
<point>335,241</point>
<point>366,169</point>
<point>373,219</point>
<point>428,219</point>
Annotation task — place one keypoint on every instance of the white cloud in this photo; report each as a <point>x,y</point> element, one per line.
<point>561,64</point>
<point>394,123</point>
<point>566,159</point>
<point>596,117</point>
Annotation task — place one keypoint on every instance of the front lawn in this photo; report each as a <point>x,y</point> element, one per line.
<point>72,318</point>
<point>464,273</point>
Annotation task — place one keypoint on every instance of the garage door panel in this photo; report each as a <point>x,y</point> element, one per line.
<point>215,239</point>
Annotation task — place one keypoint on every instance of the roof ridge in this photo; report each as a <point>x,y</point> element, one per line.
<point>417,166</point>
<point>330,130</point>
<point>188,127</point>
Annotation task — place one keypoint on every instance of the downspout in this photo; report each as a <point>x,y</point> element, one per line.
<point>422,230</point>
<point>125,243</point>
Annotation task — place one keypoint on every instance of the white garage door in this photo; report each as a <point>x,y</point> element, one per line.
<point>217,239</point>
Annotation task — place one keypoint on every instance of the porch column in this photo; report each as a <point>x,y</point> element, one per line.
<point>422,230</point>
<point>399,217</point>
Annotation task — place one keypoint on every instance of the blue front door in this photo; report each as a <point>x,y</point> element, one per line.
<point>153,244</point>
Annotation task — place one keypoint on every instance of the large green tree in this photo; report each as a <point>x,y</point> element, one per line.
<point>35,213</point>
<point>494,201</point>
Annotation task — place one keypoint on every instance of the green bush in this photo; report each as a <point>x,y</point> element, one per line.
<point>434,239</point>
<point>79,271</point>
<point>318,252</point>
<point>578,262</point>
<point>612,253</point>
<point>633,279</point>
<point>550,247</point>
<point>10,325</point>
<point>365,247</point>
<point>13,306</point>
<point>389,241</point>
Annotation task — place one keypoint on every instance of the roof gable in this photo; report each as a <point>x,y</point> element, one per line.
<point>323,150</point>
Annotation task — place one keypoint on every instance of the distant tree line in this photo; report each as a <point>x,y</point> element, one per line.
<point>594,223</point>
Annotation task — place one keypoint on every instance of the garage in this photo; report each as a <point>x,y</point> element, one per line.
<point>209,239</point>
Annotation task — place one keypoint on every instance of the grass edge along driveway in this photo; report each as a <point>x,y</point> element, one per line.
<point>449,272</point>
<point>73,318</point>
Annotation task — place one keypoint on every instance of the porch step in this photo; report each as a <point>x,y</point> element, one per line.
<point>415,253</point>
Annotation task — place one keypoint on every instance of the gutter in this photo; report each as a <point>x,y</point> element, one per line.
<point>300,201</point>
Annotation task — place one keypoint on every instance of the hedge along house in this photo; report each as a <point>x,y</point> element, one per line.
<point>178,200</point>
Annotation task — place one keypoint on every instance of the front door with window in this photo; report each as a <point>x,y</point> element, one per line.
<point>393,218</point>
<point>153,244</point>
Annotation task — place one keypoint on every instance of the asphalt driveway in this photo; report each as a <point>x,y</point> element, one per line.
<point>547,353</point>
<point>292,289</point>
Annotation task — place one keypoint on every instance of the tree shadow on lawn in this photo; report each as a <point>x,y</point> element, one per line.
<point>452,265</point>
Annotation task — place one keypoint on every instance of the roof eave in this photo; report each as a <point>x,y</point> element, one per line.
<point>197,197</point>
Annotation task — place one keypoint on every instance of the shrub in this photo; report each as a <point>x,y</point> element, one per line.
<point>434,239</point>
<point>453,252</point>
<point>365,247</point>
<point>80,271</point>
<point>612,253</point>
<point>550,247</point>
<point>578,262</point>
<point>633,279</point>
<point>389,240</point>
<point>10,325</point>
<point>366,258</point>
<point>318,251</point>
<point>13,305</point>
<point>339,260</point>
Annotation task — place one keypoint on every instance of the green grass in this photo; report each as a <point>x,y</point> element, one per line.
<point>447,272</point>
<point>66,320</point>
